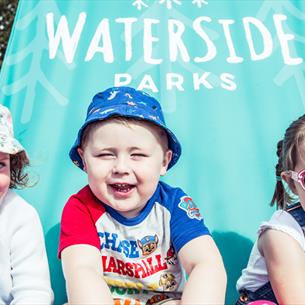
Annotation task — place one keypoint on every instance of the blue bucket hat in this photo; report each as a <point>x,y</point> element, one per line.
<point>125,102</point>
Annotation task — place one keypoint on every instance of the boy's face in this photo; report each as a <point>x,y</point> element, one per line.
<point>124,163</point>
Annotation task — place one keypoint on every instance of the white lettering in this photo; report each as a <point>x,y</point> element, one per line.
<point>175,31</point>
<point>283,39</point>
<point>174,80</point>
<point>122,79</point>
<point>147,83</point>
<point>201,80</point>
<point>69,43</point>
<point>233,58</point>
<point>228,81</point>
<point>127,35</point>
<point>102,33</point>
<point>211,53</point>
<point>267,38</point>
<point>148,40</point>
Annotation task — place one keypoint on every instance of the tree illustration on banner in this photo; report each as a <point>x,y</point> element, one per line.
<point>199,3</point>
<point>36,48</point>
<point>140,4</point>
<point>138,70</point>
<point>287,71</point>
<point>169,3</point>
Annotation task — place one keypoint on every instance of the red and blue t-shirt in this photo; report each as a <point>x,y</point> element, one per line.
<point>139,254</point>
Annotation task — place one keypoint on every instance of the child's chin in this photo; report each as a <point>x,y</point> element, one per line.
<point>128,214</point>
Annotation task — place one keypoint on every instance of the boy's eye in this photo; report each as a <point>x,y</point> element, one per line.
<point>105,155</point>
<point>139,155</point>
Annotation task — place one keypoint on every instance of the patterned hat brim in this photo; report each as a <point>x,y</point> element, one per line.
<point>10,145</point>
<point>173,142</point>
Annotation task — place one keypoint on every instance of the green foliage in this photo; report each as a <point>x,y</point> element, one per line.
<point>7,14</point>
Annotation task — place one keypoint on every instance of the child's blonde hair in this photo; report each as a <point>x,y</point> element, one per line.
<point>288,151</point>
<point>124,121</point>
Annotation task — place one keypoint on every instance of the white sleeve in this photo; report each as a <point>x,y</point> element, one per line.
<point>283,221</point>
<point>30,270</point>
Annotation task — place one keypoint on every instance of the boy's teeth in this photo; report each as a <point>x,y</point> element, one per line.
<point>122,187</point>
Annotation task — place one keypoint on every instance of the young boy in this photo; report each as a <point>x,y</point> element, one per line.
<point>127,237</point>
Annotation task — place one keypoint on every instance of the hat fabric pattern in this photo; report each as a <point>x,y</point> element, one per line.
<point>125,102</point>
<point>8,144</point>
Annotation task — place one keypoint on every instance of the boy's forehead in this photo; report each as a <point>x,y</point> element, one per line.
<point>129,122</point>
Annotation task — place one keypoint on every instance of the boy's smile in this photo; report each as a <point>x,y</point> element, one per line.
<point>124,161</point>
<point>122,187</point>
<point>121,190</point>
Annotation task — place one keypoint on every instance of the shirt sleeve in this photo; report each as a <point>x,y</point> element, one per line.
<point>29,264</point>
<point>283,221</point>
<point>77,226</point>
<point>186,221</point>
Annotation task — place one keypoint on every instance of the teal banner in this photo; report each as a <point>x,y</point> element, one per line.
<point>229,76</point>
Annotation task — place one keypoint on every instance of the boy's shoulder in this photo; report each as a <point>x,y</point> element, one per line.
<point>84,195</point>
<point>84,199</point>
<point>168,191</point>
<point>169,195</point>
<point>168,188</point>
<point>174,197</point>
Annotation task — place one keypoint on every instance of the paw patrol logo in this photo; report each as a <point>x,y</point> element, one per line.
<point>186,203</point>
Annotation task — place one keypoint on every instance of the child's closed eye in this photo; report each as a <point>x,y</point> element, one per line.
<point>139,155</point>
<point>105,155</point>
<point>2,165</point>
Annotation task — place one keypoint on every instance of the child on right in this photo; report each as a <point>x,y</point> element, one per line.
<point>276,267</point>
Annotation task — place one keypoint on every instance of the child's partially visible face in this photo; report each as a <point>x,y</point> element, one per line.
<point>124,164</point>
<point>5,174</point>
<point>295,186</point>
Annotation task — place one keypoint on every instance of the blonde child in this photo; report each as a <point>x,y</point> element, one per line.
<point>24,273</point>
<point>127,237</point>
<point>276,268</point>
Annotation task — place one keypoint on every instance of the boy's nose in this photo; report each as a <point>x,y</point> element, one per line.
<point>121,166</point>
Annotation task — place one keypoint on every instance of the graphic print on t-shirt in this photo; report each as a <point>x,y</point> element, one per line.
<point>186,203</point>
<point>139,255</point>
<point>148,244</point>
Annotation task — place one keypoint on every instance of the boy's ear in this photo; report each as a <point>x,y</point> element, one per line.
<point>286,176</point>
<point>81,153</point>
<point>167,158</point>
